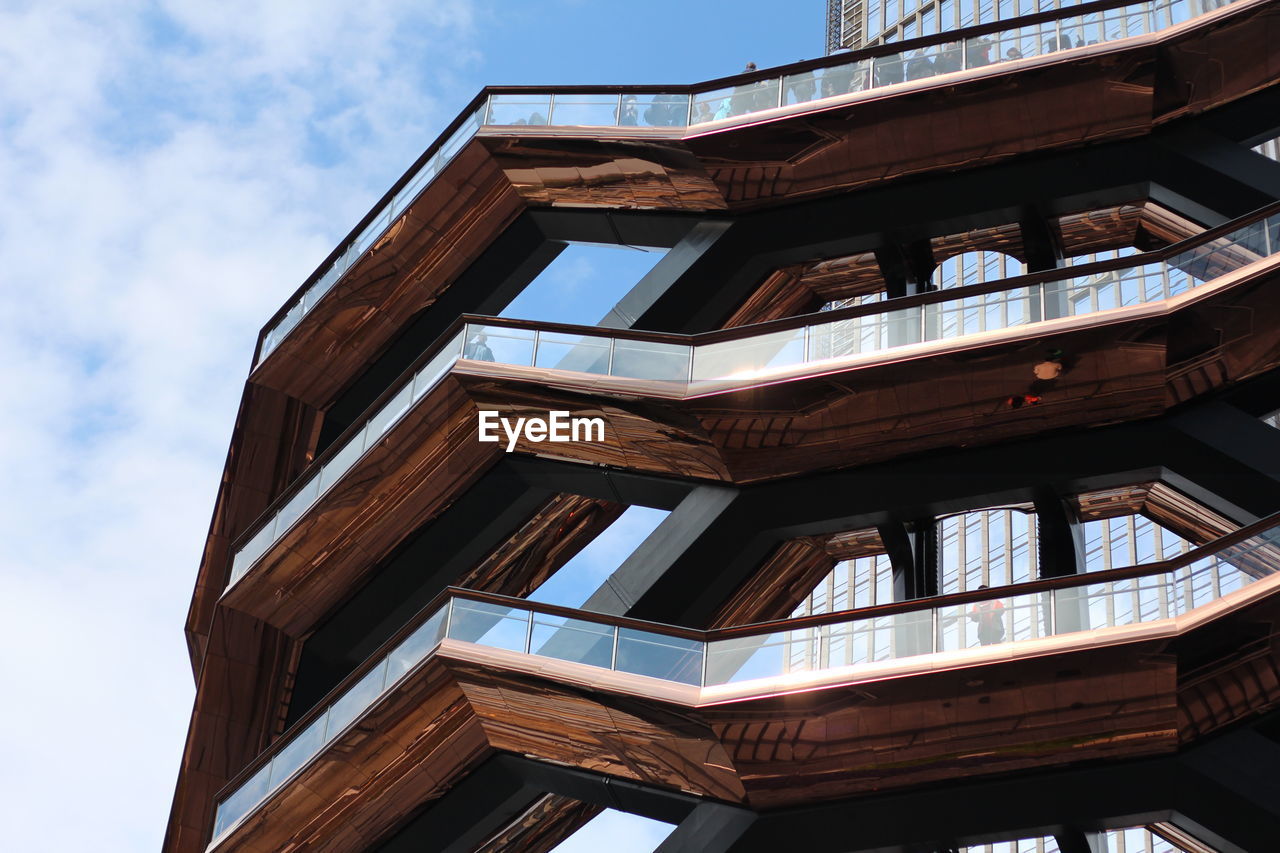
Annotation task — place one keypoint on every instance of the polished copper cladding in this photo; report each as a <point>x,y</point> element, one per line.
<point>799,389</point>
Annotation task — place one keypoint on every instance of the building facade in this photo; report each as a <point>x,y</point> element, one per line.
<point>934,464</point>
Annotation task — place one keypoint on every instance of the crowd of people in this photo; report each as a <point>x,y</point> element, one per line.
<point>672,110</point>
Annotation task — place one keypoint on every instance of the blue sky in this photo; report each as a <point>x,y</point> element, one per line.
<point>173,170</point>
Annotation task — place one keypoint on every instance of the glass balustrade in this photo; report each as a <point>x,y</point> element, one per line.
<point>683,369</point>
<point>362,439</point>
<point>1199,578</point>
<point>784,93</point>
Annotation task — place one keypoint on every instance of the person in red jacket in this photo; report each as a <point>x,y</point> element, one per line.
<point>990,618</point>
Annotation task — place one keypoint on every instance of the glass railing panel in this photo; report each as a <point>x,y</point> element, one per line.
<point>342,461</point>
<point>390,412</point>
<point>664,110</point>
<point>1111,289</point>
<point>1256,557</point>
<point>581,353</point>
<point>427,377</point>
<point>1116,603</point>
<point>1197,584</point>
<point>322,286</point>
<point>492,625</point>
<point>601,110</point>
<point>574,640</point>
<point>888,70</point>
<point>761,656</point>
<point>734,101</point>
<point>671,110</point>
<point>651,360</point>
<point>297,505</point>
<point>878,638</point>
<point>416,184</point>
<point>1127,21</point>
<point>747,356</point>
<point>659,656</point>
<point>859,641</point>
<point>518,109</point>
<point>460,137</point>
<point>300,748</point>
<point>1084,29</point>
<point>351,705</point>
<point>500,344</point>
<point>282,328</point>
<point>242,800</point>
<point>1231,251</point>
<point>983,313</point>
<point>252,550</point>
<point>994,621</point>
<point>415,647</point>
<point>371,232</point>
<point>827,82</point>
<point>870,333</point>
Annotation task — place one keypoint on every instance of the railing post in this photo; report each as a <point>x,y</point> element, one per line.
<point>617,111</point>
<point>1052,627</point>
<point>780,79</point>
<point>937,640</point>
<point>805,356</point>
<point>690,375</point>
<point>689,117</point>
<point>706,652</point>
<point>551,108</point>
<point>613,342</point>
<point>448,619</point>
<point>613,655</point>
<point>528,632</point>
<point>537,339</point>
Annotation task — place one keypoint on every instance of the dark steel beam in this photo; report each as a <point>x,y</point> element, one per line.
<point>505,786</point>
<point>1231,458</point>
<point>1059,536</point>
<point>633,580</point>
<point>709,828</point>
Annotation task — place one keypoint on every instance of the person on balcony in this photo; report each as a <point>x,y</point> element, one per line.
<point>990,618</point>
<point>628,111</point>
<point>478,348</point>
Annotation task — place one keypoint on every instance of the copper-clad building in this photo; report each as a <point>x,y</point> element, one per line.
<point>955,387</point>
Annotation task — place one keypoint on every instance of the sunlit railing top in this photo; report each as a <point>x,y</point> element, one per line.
<point>711,362</point>
<point>1032,611</point>
<point>774,93</point>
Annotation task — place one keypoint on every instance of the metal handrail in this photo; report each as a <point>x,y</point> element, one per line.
<point>481,100</point>
<point>445,597</point>
<point>886,307</point>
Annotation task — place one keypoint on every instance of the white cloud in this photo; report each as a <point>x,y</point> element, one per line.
<point>171,173</point>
